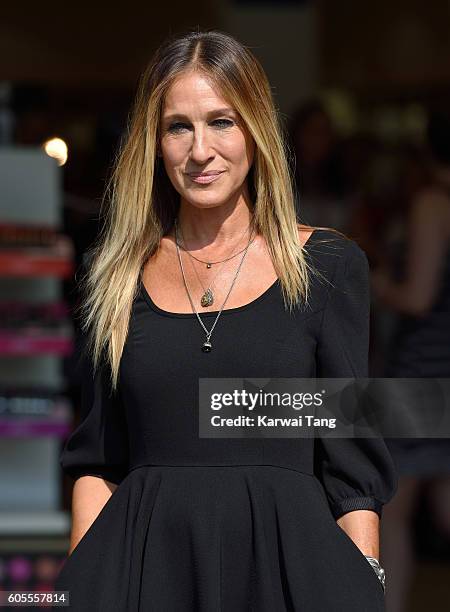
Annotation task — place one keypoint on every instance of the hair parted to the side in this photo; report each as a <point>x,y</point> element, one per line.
<point>141,203</point>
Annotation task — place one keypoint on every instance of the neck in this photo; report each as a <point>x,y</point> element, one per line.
<point>217,227</point>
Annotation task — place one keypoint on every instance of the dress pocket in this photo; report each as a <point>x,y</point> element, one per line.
<point>346,540</point>
<point>92,527</point>
<point>360,557</point>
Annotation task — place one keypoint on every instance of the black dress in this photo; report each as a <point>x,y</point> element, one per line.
<point>230,525</point>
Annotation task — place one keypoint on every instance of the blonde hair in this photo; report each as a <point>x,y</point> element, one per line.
<point>142,203</point>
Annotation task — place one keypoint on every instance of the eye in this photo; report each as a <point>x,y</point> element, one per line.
<point>223,123</point>
<point>177,127</point>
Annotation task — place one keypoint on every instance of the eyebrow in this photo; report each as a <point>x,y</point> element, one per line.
<point>217,111</point>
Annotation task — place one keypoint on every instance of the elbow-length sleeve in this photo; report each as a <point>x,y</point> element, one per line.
<point>99,445</point>
<point>356,473</point>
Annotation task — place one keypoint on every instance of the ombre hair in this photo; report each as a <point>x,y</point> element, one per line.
<point>142,203</point>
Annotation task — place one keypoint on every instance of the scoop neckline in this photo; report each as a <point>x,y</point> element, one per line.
<point>213,313</point>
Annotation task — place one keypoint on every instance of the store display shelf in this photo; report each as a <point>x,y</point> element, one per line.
<point>34,523</point>
<point>22,344</point>
<point>20,427</point>
<point>35,263</point>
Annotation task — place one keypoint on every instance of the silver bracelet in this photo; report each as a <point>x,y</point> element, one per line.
<point>379,571</point>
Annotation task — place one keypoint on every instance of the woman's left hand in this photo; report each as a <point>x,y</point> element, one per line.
<point>362,526</point>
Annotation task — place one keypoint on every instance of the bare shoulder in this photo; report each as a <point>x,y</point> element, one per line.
<point>160,263</point>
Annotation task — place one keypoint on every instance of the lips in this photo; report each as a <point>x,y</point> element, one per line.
<point>205,177</point>
<point>208,173</point>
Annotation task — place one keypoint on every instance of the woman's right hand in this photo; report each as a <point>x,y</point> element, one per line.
<point>90,494</point>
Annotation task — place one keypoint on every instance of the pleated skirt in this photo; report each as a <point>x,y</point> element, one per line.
<point>247,538</point>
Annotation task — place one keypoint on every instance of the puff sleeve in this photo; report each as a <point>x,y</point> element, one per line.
<point>356,473</point>
<point>99,445</point>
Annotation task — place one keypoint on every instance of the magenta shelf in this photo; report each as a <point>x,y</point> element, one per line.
<point>28,427</point>
<point>19,344</point>
<point>34,263</point>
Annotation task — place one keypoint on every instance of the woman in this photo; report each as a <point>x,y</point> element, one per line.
<point>320,176</point>
<point>164,519</point>
<point>420,348</point>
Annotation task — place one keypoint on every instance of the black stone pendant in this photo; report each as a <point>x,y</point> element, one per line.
<point>207,298</point>
<point>207,346</point>
<point>208,265</point>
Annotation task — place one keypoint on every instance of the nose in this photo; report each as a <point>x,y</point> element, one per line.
<point>201,151</point>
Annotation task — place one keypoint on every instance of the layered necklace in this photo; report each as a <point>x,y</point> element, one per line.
<point>208,295</point>
<point>207,298</point>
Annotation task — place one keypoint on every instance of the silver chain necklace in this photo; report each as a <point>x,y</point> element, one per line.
<point>207,346</point>
<point>207,298</point>
<point>209,264</point>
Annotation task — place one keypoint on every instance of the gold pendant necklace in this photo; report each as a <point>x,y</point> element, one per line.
<point>207,298</point>
<point>207,345</point>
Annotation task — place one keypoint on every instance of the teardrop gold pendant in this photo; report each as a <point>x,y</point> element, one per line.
<point>207,298</point>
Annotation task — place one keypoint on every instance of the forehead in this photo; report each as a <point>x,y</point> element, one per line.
<point>193,92</point>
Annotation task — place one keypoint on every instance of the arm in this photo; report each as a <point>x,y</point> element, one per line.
<point>95,455</point>
<point>363,527</point>
<point>89,496</point>
<point>357,474</point>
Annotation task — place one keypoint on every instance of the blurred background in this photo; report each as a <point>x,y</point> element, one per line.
<point>363,91</point>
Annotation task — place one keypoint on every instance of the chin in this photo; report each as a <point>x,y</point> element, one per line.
<point>202,205</point>
<point>206,200</point>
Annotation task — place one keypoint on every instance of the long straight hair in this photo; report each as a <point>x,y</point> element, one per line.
<point>140,203</point>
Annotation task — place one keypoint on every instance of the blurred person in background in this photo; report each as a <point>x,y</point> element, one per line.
<point>319,171</point>
<point>389,181</point>
<point>420,348</point>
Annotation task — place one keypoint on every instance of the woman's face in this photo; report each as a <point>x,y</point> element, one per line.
<point>206,149</point>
